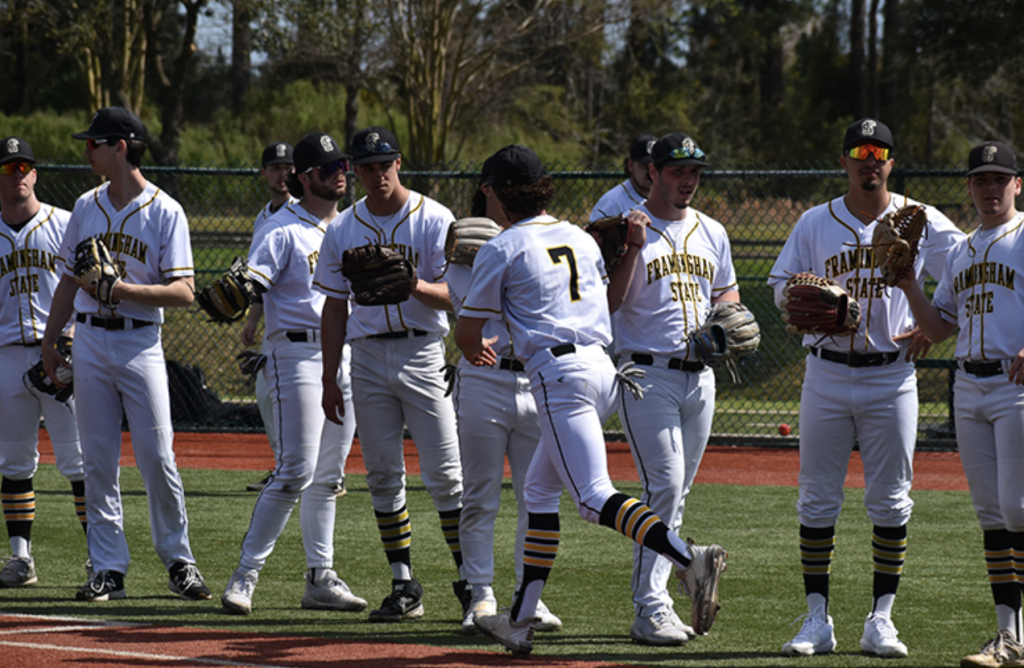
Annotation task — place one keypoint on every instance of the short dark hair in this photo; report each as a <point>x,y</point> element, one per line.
<point>527,200</point>
<point>295,188</point>
<point>136,149</point>
<point>478,205</point>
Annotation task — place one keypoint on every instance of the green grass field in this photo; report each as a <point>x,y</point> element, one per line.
<point>943,611</point>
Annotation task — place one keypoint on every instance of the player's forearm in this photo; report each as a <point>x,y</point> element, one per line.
<point>61,308</point>
<point>621,279</point>
<point>177,293</point>
<point>434,295</point>
<point>928,316</point>
<point>333,330</point>
<point>469,336</point>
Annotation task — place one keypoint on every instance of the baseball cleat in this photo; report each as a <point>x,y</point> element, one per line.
<point>658,629</point>
<point>480,607</point>
<point>546,621</point>
<point>187,582</point>
<point>700,581</point>
<point>404,602</point>
<point>237,597</point>
<point>18,572</point>
<point>104,586</point>
<point>1002,651</point>
<point>339,490</point>
<point>517,637</point>
<point>817,635</point>
<point>258,486</point>
<point>330,593</point>
<point>880,638</point>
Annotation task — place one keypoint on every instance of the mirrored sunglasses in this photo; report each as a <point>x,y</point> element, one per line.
<point>380,148</point>
<point>12,168</point>
<point>684,152</point>
<point>864,150</point>
<point>94,144</point>
<point>333,167</point>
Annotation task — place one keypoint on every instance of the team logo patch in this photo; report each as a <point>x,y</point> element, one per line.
<point>689,146</point>
<point>988,154</point>
<point>372,139</point>
<point>867,128</point>
<point>650,145</point>
<point>326,144</point>
<point>280,150</point>
<point>13,145</point>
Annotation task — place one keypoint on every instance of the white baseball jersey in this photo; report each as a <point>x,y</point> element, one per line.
<point>289,241</point>
<point>542,277</point>
<point>30,269</point>
<point>417,231</point>
<point>266,214</point>
<point>830,241</point>
<point>459,277</point>
<point>620,199</point>
<point>149,239</point>
<point>980,292</point>
<point>682,267</point>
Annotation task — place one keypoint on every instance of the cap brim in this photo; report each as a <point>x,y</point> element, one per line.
<point>87,135</point>
<point>861,142</point>
<point>993,168</point>
<point>18,158</point>
<point>683,162</point>
<point>279,161</point>
<point>375,157</point>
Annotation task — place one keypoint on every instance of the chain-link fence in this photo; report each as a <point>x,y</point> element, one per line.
<point>757,206</point>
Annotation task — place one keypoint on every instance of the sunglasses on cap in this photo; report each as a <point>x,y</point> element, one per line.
<point>94,144</point>
<point>864,150</point>
<point>12,168</point>
<point>380,148</point>
<point>331,168</point>
<point>684,152</point>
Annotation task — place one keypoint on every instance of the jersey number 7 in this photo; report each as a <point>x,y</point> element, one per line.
<point>557,254</point>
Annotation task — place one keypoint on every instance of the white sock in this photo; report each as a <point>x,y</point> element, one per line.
<point>401,571</point>
<point>20,547</point>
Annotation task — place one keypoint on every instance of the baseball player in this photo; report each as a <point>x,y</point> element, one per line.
<point>29,272</point>
<point>497,418</point>
<point>545,279</point>
<point>275,166</point>
<point>980,294</point>
<point>632,192</point>
<point>858,388</point>
<point>310,453</point>
<point>119,357</point>
<point>397,355</point>
<point>656,312</point>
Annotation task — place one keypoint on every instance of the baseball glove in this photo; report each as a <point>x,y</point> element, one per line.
<point>250,363</point>
<point>466,236</point>
<point>378,275</point>
<point>612,234</point>
<point>816,305</point>
<point>229,297</point>
<point>41,382</point>
<point>896,239</point>
<point>94,266</point>
<point>730,334</point>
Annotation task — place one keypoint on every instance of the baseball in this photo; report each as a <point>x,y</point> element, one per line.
<point>784,429</point>
<point>64,374</point>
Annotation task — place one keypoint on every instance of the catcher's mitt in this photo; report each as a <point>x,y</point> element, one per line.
<point>612,233</point>
<point>466,236</point>
<point>229,297</point>
<point>729,334</point>
<point>250,363</point>
<point>41,382</point>
<point>816,305</point>
<point>378,274</point>
<point>896,239</point>
<point>94,266</point>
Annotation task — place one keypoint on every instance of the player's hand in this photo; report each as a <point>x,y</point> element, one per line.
<point>919,344</point>
<point>51,360</point>
<point>906,279</point>
<point>333,402</point>
<point>637,223</point>
<point>1016,372</point>
<point>485,356</point>
<point>249,333</point>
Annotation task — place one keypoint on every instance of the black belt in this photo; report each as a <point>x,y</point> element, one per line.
<point>397,335</point>
<point>563,349</point>
<point>301,337</point>
<point>856,359</point>
<point>509,364</point>
<point>111,324</point>
<point>30,344</point>
<point>983,369</point>
<point>673,363</point>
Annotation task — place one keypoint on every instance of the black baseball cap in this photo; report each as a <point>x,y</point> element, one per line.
<point>992,156</point>
<point>15,149</point>
<point>116,123</point>
<point>487,171</point>
<point>314,150</point>
<point>515,165</point>
<point>640,149</point>
<point>675,149</point>
<point>276,153</point>
<point>867,131</point>
<point>375,144</point>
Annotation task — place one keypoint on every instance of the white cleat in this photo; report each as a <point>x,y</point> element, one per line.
<point>661,628</point>
<point>237,597</point>
<point>880,638</point>
<point>517,637</point>
<point>1003,651</point>
<point>18,572</point>
<point>546,620</point>
<point>330,593</point>
<point>484,606</point>
<point>700,582</point>
<point>817,635</point>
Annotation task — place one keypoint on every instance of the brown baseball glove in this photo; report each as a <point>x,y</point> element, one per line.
<point>229,297</point>
<point>466,236</point>
<point>612,235</point>
<point>94,266</point>
<point>896,239</point>
<point>378,275</point>
<point>816,305</point>
<point>37,378</point>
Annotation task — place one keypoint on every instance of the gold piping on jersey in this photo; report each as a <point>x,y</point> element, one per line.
<point>23,258</point>
<point>982,273</point>
<point>704,269</point>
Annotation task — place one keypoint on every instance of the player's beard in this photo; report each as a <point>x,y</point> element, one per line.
<point>326,191</point>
